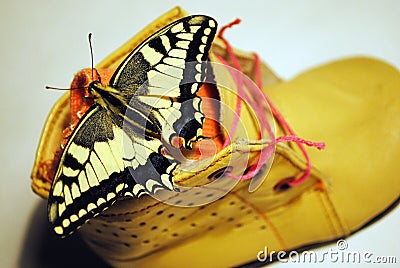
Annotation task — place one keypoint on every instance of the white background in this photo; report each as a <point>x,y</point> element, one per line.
<point>45,43</point>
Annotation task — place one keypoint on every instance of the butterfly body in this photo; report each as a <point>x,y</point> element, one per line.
<point>117,146</point>
<point>116,103</point>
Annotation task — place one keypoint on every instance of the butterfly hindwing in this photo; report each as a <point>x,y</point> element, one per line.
<point>149,167</point>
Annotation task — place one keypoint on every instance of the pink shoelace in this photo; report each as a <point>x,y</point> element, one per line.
<point>292,137</point>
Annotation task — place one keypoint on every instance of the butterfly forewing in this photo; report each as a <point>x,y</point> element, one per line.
<point>170,66</point>
<point>91,172</point>
<point>116,148</point>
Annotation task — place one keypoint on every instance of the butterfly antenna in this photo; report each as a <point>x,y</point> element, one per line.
<point>91,53</point>
<point>60,88</point>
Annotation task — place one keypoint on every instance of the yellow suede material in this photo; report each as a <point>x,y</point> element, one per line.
<point>352,105</point>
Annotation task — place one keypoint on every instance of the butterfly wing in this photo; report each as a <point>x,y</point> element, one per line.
<point>91,173</point>
<point>160,80</point>
<point>165,72</point>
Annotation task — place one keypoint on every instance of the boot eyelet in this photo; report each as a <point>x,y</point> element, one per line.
<point>248,169</point>
<point>220,173</point>
<point>283,185</point>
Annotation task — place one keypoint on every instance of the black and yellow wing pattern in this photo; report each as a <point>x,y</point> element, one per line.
<point>116,148</point>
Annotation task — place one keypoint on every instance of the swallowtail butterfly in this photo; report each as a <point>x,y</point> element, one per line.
<point>94,170</point>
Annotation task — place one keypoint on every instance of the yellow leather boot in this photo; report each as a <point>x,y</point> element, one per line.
<point>351,105</point>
